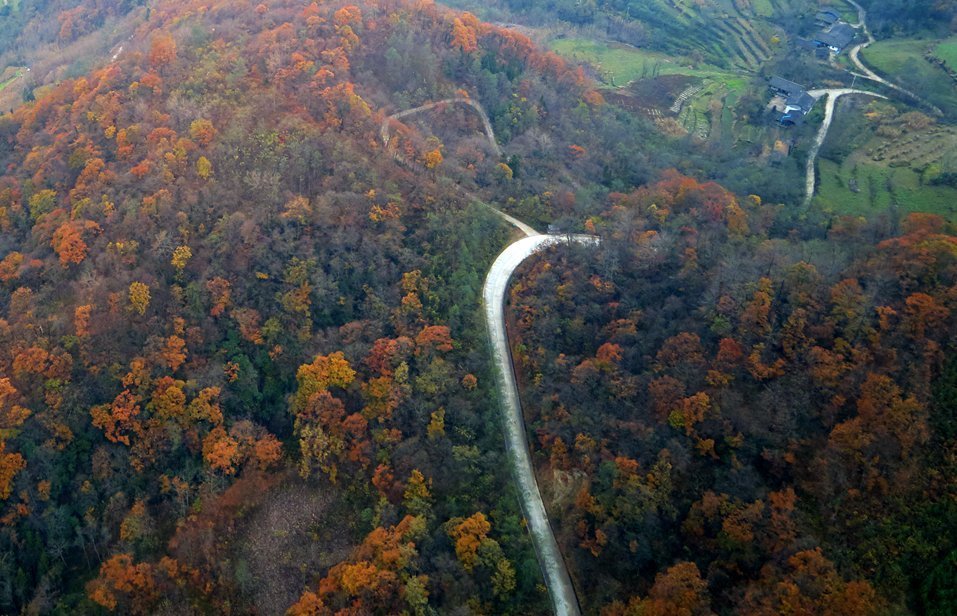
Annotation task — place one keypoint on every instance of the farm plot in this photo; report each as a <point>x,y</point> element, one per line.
<point>859,187</point>
<point>620,64</point>
<point>708,111</point>
<point>918,150</point>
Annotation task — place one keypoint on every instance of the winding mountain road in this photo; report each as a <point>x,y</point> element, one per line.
<point>560,588</point>
<point>832,95</point>
<point>855,51</point>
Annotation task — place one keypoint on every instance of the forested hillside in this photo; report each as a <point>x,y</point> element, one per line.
<point>243,367</point>
<point>225,305</point>
<point>912,16</point>
<point>763,419</point>
<point>26,25</point>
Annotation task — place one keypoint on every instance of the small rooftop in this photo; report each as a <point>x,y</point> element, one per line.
<point>802,101</point>
<point>792,118</point>
<point>839,36</point>
<point>783,85</point>
<point>827,17</point>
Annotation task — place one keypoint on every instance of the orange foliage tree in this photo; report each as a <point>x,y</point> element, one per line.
<point>123,585</point>
<point>10,465</point>
<point>119,419</point>
<point>162,49</point>
<point>68,241</point>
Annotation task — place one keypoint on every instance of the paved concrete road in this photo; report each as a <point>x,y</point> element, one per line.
<point>557,580</point>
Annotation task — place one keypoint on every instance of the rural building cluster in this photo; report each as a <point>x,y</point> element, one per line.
<point>833,35</point>
<point>791,100</point>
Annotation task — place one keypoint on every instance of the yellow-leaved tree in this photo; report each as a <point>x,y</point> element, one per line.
<point>139,297</point>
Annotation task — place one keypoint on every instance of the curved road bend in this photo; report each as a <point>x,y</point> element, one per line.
<point>865,72</point>
<point>527,230</point>
<point>832,95</point>
<point>557,580</point>
<point>854,53</point>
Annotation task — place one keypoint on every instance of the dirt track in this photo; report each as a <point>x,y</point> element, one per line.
<point>832,95</point>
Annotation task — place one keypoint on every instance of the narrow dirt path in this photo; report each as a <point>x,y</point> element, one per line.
<point>515,222</point>
<point>557,580</point>
<point>832,95</point>
<point>385,131</point>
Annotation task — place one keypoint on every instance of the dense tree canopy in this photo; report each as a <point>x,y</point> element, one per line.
<point>243,368</point>
<point>763,406</point>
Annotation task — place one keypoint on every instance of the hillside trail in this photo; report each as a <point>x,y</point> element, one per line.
<point>832,95</point>
<point>385,132</point>
<point>557,580</point>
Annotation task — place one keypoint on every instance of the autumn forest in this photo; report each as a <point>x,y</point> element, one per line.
<point>244,367</point>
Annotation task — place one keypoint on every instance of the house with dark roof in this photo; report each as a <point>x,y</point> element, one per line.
<point>797,102</point>
<point>826,18</point>
<point>784,87</point>
<point>836,38</point>
<point>802,102</point>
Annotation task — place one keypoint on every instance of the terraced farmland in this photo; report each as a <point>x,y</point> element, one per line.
<point>619,65</point>
<point>11,86</point>
<point>918,149</point>
<point>6,79</point>
<point>723,33</point>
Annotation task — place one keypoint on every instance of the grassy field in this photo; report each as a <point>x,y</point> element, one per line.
<point>620,64</point>
<point>710,110</point>
<point>764,8</point>
<point>903,60</point>
<point>861,188</point>
<point>946,50</point>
